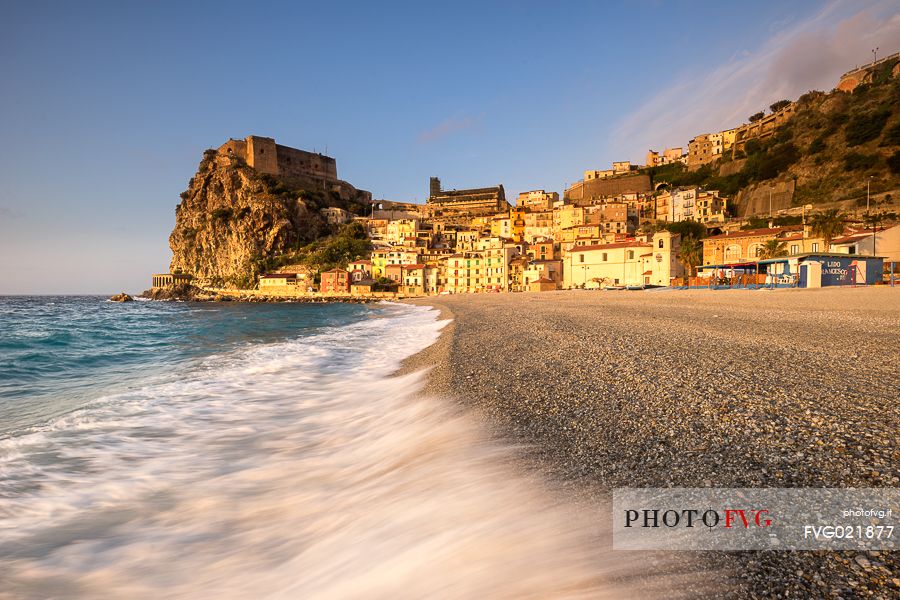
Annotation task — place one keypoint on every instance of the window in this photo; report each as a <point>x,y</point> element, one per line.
<point>732,253</point>
<point>604,257</point>
<point>815,247</point>
<point>662,243</point>
<point>795,248</point>
<point>581,258</point>
<point>630,254</point>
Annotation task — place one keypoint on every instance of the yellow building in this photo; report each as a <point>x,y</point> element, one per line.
<point>537,200</point>
<point>542,285</point>
<point>568,216</point>
<point>593,174</point>
<point>482,269</point>
<point>283,283</point>
<point>399,230</point>
<point>517,223</point>
<point>382,257</point>
<point>501,226</point>
<point>653,262</point>
<point>746,246</point>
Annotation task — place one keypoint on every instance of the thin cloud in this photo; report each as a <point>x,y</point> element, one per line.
<point>7,212</point>
<point>446,128</point>
<point>810,55</point>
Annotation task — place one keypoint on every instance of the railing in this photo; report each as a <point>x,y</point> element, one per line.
<point>749,281</point>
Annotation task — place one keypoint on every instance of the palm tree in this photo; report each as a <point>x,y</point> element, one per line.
<point>691,253</point>
<point>773,248</point>
<point>828,225</point>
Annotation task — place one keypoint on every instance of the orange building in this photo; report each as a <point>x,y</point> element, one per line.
<point>335,281</point>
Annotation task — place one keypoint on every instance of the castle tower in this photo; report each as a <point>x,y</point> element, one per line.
<point>261,154</point>
<point>435,187</point>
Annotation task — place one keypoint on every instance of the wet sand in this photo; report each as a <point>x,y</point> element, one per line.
<point>786,388</point>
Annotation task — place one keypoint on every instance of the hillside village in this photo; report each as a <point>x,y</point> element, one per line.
<point>804,195</point>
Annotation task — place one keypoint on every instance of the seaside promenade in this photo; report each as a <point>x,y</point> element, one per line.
<point>785,388</point>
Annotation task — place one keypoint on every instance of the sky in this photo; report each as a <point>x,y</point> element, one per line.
<point>106,107</point>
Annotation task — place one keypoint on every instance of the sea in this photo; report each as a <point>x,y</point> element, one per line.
<point>228,450</point>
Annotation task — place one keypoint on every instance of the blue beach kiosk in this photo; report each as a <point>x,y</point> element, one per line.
<point>822,269</point>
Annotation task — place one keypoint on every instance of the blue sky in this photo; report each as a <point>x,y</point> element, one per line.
<point>105,108</point>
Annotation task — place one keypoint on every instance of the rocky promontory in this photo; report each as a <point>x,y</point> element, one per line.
<point>233,220</point>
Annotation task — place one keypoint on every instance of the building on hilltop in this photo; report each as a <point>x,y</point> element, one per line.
<point>853,78</point>
<point>469,202</point>
<point>310,168</point>
<point>264,155</point>
<point>762,129</point>
<point>589,189</point>
<point>668,156</point>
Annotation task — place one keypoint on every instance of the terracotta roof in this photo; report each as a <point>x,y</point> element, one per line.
<point>543,280</point>
<point>757,232</point>
<point>277,275</point>
<point>337,270</point>
<point>361,262</point>
<point>648,272</point>
<point>851,238</point>
<point>415,266</point>
<point>611,246</point>
<point>648,254</point>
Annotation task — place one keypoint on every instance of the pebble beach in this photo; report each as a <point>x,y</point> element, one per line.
<point>660,388</point>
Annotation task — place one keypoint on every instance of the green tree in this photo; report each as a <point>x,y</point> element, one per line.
<point>776,106</point>
<point>773,249</point>
<point>685,229</point>
<point>828,225</point>
<point>756,116</point>
<point>691,253</point>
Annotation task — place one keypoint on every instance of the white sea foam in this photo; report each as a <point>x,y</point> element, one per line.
<point>290,470</point>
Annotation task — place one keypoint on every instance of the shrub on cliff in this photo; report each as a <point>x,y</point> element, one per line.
<point>855,161</point>
<point>865,127</point>
<point>893,163</point>
<point>816,146</point>
<point>776,106</point>
<point>892,136</point>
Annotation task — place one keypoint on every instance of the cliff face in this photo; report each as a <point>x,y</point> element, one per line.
<point>232,220</point>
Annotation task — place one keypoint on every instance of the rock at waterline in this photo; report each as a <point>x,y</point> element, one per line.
<point>123,297</point>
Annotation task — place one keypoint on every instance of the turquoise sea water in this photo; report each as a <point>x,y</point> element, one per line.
<point>182,450</point>
<point>57,353</point>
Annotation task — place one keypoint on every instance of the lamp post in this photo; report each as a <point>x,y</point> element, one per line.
<point>805,208</point>
<point>875,53</point>
<point>868,186</point>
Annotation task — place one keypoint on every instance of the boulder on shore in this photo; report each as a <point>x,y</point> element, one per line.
<point>123,297</point>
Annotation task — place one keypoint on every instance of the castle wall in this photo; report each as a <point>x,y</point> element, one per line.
<point>299,163</point>
<point>234,148</point>
<point>614,186</point>
<point>261,154</point>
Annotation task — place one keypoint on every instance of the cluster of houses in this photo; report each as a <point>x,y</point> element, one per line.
<point>474,241</point>
<point>459,242</point>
